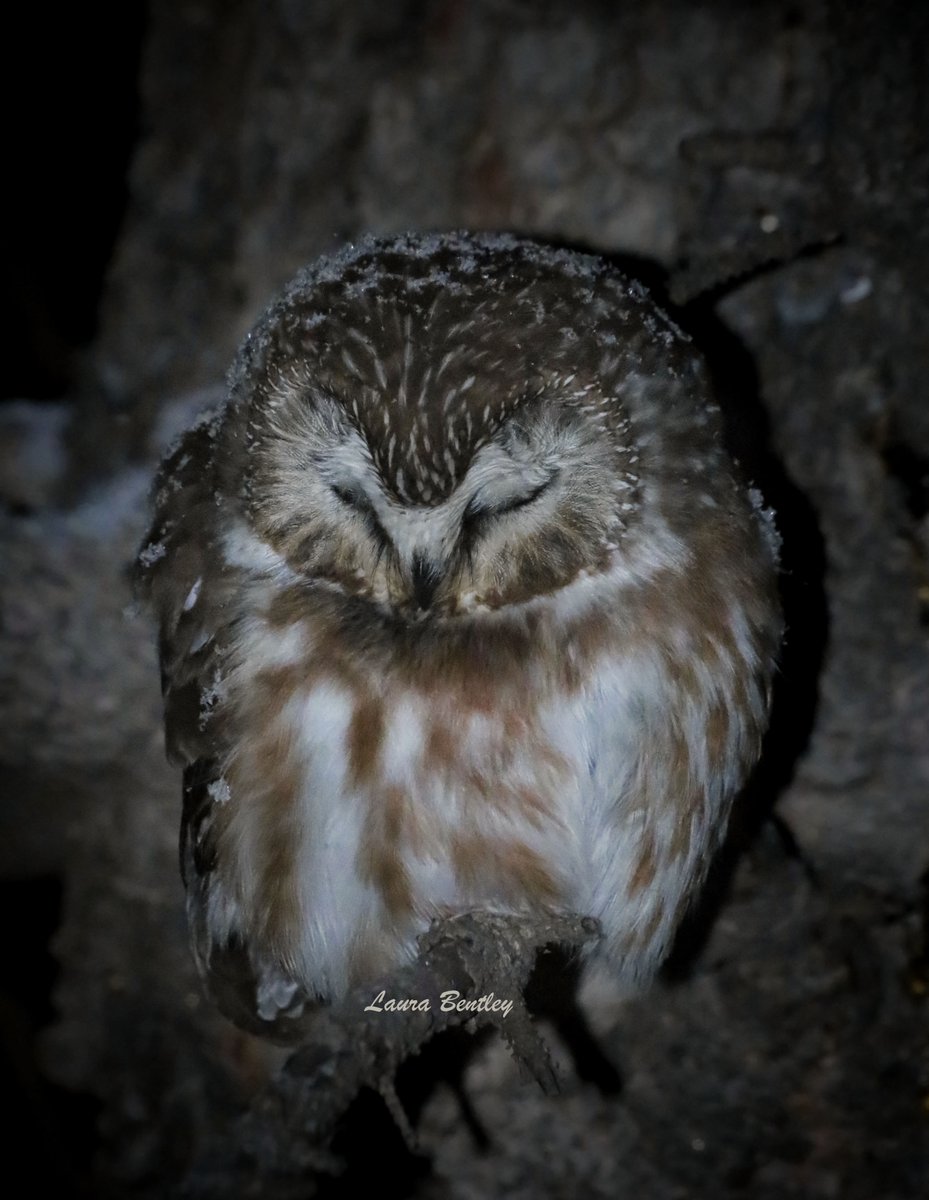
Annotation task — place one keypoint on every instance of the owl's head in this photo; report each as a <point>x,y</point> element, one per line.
<point>441,424</point>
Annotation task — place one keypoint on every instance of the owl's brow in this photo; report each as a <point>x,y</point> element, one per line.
<point>528,401</point>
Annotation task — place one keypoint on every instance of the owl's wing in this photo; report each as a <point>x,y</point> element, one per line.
<point>181,571</point>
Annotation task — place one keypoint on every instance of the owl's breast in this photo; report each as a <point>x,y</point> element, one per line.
<point>565,760</point>
<point>474,803</point>
<point>370,795</point>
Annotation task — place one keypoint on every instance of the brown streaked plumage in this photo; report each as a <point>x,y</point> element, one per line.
<point>461,606</point>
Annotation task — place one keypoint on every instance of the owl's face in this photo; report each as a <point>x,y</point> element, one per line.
<point>433,458</point>
<point>539,500</point>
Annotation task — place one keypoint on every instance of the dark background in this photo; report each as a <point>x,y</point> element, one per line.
<point>765,169</point>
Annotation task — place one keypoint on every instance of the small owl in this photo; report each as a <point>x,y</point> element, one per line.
<point>461,608</point>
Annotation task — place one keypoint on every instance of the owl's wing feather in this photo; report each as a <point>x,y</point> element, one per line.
<point>225,964</point>
<point>182,573</point>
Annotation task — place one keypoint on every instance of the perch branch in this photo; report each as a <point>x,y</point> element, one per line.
<point>352,1045</point>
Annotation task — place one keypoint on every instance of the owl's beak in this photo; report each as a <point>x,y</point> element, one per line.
<point>425,577</point>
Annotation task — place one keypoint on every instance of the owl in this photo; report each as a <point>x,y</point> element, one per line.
<point>462,607</point>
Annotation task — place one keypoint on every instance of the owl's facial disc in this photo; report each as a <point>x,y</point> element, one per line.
<point>534,506</point>
<point>414,557</point>
<point>428,555</point>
